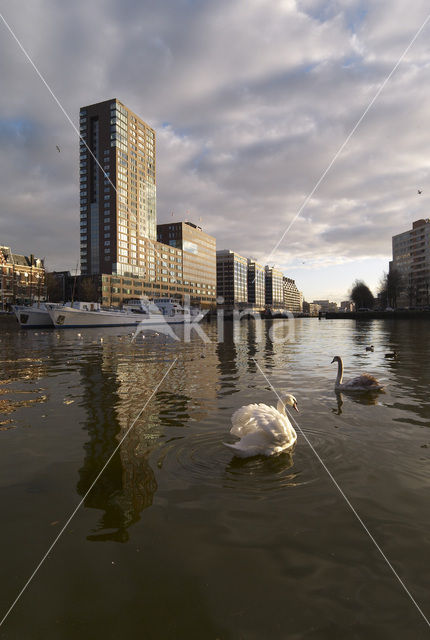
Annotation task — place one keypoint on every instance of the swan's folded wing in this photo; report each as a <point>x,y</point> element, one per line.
<point>244,420</point>
<point>276,425</point>
<point>365,381</point>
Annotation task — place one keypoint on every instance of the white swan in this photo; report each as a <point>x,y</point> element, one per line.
<point>365,382</point>
<point>263,430</point>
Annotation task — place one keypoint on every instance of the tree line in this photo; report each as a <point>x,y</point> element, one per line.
<point>389,289</point>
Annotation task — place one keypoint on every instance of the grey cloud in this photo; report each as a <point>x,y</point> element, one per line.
<point>257,103</point>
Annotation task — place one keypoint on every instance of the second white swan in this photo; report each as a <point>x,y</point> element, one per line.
<point>263,430</point>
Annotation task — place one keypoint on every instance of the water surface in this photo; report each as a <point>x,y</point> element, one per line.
<point>179,539</point>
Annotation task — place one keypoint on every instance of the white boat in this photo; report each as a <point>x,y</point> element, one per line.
<point>144,313</point>
<point>33,316</point>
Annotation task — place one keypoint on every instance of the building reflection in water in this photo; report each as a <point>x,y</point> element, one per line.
<point>117,384</point>
<point>128,484</point>
<point>410,371</point>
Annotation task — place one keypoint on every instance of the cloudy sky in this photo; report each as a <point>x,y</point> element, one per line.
<point>251,100</point>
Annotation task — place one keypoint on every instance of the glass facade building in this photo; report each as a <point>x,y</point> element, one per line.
<point>274,287</point>
<point>232,277</point>
<point>293,298</point>
<point>256,284</point>
<point>117,190</point>
<point>198,251</point>
<point>118,216</point>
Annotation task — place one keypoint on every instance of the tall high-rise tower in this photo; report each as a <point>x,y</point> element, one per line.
<point>117,191</point>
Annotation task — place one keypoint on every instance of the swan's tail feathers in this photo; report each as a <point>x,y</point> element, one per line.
<point>231,446</point>
<point>240,453</point>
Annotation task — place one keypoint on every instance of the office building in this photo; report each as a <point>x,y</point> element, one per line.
<point>326,306</point>
<point>118,216</point>
<point>117,190</point>
<point>274,287</point>
<point>256,284</point>
<point>411,259</point>
<point>293,298</point>
<point>198,251</point>
<point>311,308</point>
<point>347,305</point>
<point>22,278</point>
<point>232,278</point>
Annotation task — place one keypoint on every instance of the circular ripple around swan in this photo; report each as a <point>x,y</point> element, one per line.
<point>203,458</point>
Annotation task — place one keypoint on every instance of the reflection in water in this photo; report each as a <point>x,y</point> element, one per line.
<point>246,532</point>
<point>18,369</point>
<point>127,485</point>
<point>362,397</point>
<point>259,476</point>
<point>228,361</point>
<point>117,384</point>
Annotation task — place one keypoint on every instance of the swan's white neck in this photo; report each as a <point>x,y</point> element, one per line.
<point>339,372</point>
<point>281,407</point>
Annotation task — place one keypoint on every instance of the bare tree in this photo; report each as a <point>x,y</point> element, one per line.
<point>390,286</point>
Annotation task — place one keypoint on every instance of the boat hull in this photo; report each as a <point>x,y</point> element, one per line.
<point>76,318</point>
<point>32,317</point>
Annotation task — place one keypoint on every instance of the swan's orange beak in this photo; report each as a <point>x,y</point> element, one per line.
<point>296,407</point>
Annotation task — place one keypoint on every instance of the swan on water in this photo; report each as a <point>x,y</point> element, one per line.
<point>263,430</point>
<point>365,382</point>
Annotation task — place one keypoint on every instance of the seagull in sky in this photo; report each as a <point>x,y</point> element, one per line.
<point>419,192</point>
<point>58,148</point>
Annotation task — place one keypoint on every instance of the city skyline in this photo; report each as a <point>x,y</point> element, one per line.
<point>244,132</point>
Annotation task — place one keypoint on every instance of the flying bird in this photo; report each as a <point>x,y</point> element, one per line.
<point>419,192</point>
<point>58,148</point>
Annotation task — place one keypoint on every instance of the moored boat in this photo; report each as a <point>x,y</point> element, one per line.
<point>33,316</point>
<point>145,313</point>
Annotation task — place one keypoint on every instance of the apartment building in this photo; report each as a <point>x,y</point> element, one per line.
<point>411,258</point>
<point>232,278</point>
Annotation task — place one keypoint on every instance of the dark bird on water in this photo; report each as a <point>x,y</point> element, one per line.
<point>371,348</point>
<point>392,355</point>
<point>58,148</point>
